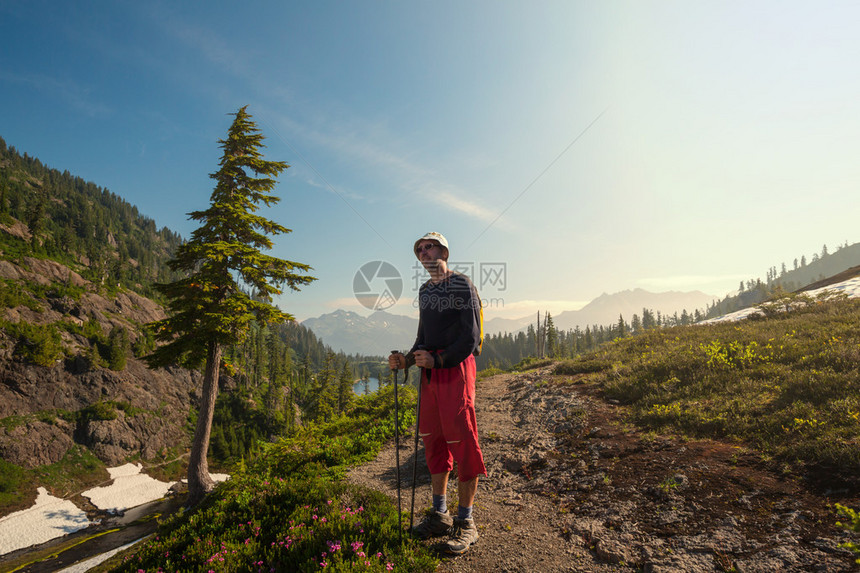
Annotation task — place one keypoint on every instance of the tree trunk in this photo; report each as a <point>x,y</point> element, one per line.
<point>199,481</point>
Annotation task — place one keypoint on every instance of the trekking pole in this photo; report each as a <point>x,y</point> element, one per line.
<point>415,455</point>
<point>397,455</point>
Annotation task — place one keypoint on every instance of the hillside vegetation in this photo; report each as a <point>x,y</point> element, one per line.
<point>93,231</point>
<point>546,339</point>
<point>289,509</point>
<point>786,383</point>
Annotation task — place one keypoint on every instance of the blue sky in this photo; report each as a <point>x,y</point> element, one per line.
<point>582,147</point>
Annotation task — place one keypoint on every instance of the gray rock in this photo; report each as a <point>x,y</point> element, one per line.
<point>36,443</point>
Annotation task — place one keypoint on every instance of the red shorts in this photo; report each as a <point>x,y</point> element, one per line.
<point>448,425</point>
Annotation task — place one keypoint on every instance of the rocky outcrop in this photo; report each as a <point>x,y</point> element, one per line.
<point>159,400</point>
<point>147,434</point>
<point>36,443</point>
<point>143,412</point>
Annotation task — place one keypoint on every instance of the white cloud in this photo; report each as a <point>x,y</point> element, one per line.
<point>464,206</point>
<point>365,142</point>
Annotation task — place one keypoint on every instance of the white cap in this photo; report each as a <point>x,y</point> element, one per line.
<point>432,236</point>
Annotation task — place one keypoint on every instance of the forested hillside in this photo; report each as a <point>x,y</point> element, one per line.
<point>76,263</point>
<point>84,226</point>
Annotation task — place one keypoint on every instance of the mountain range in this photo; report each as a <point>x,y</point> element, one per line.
<point>374,335</point>
<point>381,332</point>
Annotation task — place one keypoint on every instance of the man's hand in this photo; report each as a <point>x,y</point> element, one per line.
<point>424,359</point>
<point>396,361</point>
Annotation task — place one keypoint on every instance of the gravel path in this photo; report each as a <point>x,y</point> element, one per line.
<point>572,488</point>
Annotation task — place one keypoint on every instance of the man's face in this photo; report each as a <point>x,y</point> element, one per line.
<point>429,253</point>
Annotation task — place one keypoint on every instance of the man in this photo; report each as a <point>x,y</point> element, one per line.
<point>449,332</point>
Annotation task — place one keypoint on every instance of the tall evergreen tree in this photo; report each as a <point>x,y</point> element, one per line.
<point>551,336</point>
<point>635,323</point>
<point>209,308</point>
<point>345,393</point>
<point>621,327</point>
<point>118,346</point>
<point>324,398</point>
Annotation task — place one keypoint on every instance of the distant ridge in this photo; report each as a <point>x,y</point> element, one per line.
<point>381,332</point>
<point>606,308</point>
<point>374,335</point>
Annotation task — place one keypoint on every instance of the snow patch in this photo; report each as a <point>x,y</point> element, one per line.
<point>130,488</point>
<point>50,517</point>
<point>851,288</point>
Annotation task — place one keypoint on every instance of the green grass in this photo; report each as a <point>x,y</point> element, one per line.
<point>853,526</point>
<point>488,372</point>
<point>289,509</point>
<point>787,384</point>
<point>14,492</point>
<point>78,470</point>
<point>530,363</point>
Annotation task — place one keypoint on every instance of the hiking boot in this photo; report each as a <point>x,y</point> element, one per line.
<point>463,535</point>
<point>434,523</point>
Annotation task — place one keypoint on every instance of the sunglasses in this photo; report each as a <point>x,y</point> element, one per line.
<point>425,247</point>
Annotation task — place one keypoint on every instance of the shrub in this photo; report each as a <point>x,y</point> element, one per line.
<point>489,372</point>
<point>853,526</point>
<point>98,411</point>
<point>288,510</point>
<point>37,344</point>
<point>582,365</point>
<point>531,363</point>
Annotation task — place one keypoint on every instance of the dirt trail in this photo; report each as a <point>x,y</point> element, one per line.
<point>572,488</point>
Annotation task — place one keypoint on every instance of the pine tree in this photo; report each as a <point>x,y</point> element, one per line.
<point>118,347</point>
<point>621,327</point>
<point>345,394</point>
<point>551,336</point>
<point>4,208</point>
<point>209,308</point>
<point>648,319</point>
<point>324,398</point>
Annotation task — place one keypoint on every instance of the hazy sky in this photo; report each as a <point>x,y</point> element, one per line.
<point>569,148</point>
